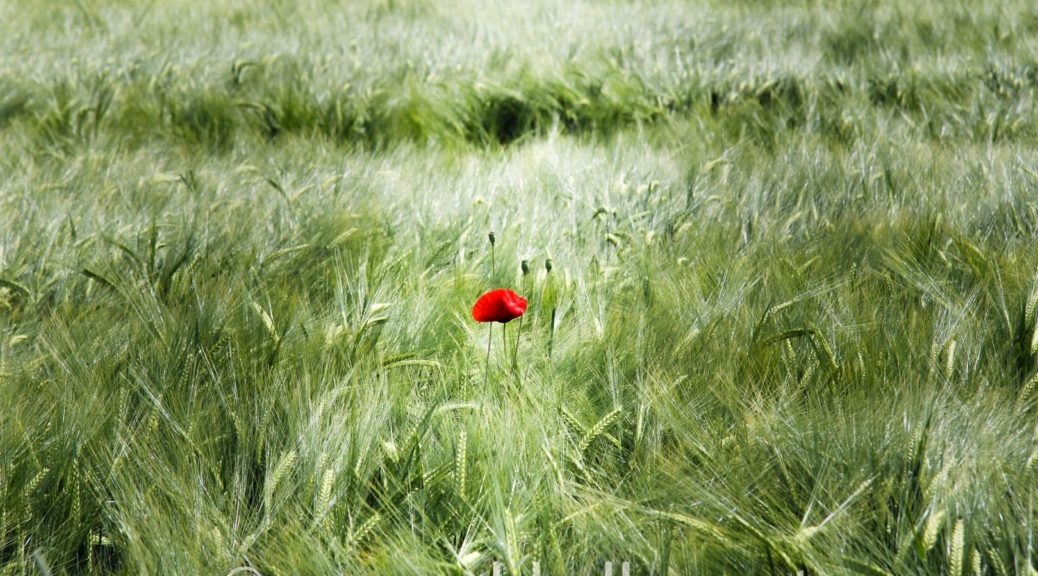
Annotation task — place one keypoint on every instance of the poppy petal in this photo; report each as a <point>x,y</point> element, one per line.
<point>499,306</point>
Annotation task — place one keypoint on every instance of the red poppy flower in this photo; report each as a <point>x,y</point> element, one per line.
<point>499,306</point>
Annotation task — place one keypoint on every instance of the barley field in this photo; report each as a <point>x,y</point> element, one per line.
<point>779,258</point>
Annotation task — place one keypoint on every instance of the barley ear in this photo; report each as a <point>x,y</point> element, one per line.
<point>932,529</point>
<point>597,430</point>
<point>280,471</point>
<point>461,463</point>
<point>1024,396</point>
<point>1032,301</point>
<point>957,549</point>
<point>949,360</point>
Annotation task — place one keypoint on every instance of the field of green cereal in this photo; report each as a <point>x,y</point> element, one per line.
<point>789,323</point>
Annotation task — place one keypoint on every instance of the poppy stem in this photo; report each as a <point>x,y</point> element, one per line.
<point>504,341</point>
<point>515,353</point>
<point>486,370</point>
<point>551,332</point>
